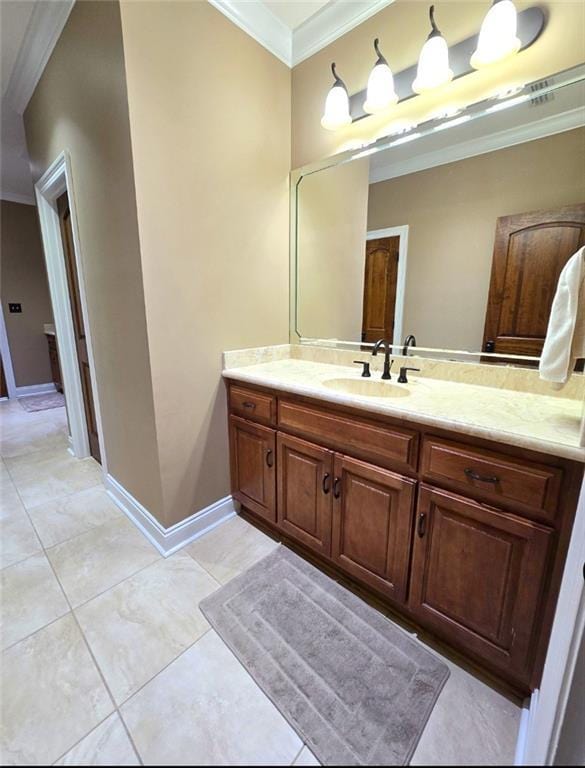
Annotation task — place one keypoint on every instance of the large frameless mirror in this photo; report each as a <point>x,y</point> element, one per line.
<point>453,232</point>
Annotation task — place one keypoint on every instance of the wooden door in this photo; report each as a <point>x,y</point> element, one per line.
<point>3,387</point>
<point>530,250</point>
<point>78,324</point>
<point>305,480</point>
<point>372,523</point>
<point>381,272</point>
<point>477,578</point>
<point>253,466</point>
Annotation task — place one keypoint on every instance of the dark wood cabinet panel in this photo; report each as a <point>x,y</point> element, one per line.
<point>55,364</point>
<point>372,523</point>
<point>387,445</point>
<point>253,466</point>
<point>251,404</point>
<point>305,480</point>
<point>478,576</point>
<point>491,476</point>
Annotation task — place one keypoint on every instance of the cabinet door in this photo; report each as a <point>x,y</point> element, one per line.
<point>253,466</point>
<point>304,492</point>
<point>372,524</point>
<point>477,577</point>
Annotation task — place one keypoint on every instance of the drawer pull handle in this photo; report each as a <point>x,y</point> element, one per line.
<point>326,483</point>
<point>336,488</point>
<point>269,462</point>
<point>482,478</point>
<point>422,524</point>
<point>249,405</point>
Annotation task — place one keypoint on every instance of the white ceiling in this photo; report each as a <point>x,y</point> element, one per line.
<point>294,12</point>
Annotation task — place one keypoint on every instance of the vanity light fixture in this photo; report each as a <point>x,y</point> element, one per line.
<point>498,37</point>
<point>433,63</point>
<point>336,105</point>
<point>380,94</point>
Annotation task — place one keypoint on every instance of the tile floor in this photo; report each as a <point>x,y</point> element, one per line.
<point>106,658</point>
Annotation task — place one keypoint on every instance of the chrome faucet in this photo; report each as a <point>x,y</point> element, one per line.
<point>409,341</point>
<point>387,345</point>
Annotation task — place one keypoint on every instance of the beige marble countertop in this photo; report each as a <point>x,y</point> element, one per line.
<point>534,421</point>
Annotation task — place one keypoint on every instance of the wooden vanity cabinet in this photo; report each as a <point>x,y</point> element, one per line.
<point>477,577</point>
<point>466,538</point>
<point>253,466</point>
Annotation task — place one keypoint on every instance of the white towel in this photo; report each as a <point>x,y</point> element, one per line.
<point>565,335</point>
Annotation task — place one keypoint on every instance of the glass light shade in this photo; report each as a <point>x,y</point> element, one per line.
<point>336,113</point>
<point>433,65</point>
<point>381,93</point>
<point>497,36</point>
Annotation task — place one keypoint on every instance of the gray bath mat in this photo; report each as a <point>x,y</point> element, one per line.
<point>42,402</point>
<point>356,688</point>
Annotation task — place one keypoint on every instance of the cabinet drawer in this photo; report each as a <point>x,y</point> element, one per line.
<point>492,476</point>
<point>385,445</point>
<point>250,404</point>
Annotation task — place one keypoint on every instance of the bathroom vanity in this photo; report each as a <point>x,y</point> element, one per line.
<point>454,520</point>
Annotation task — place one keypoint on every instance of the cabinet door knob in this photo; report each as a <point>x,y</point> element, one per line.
<point>336,487</point>
<point>422,524</point>
<point>269,462</point>
<point>326,483</point>
<point>482,478</point>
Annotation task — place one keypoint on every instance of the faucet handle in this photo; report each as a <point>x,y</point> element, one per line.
<point>366,369</point>
<point>402,378</point>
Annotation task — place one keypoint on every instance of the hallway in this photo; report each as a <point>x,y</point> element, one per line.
<point>106,658</point>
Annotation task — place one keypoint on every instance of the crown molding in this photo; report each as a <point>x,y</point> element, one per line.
<point>331,22</point>
<point>44,29</point>
<point>261,24</point>
<point>539,129</point>
<point>292,47</point>
<point>15,197</point>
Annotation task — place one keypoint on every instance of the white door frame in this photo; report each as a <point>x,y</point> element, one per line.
<point>539,741</point>
<point>402,233</point>
<point>6,357</point>
<point>56,180</point>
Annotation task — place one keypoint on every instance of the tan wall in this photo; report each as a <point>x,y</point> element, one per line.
<point>402,28</point>
<point>210,120</point>
<point>452,210</point>
<point>332,216</point>
<point>80,105</point>
<point>24,279</point>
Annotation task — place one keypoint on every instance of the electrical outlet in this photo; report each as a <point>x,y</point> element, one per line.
<point>14,307</point>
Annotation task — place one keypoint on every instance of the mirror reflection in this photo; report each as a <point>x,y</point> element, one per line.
<point>460,254</point>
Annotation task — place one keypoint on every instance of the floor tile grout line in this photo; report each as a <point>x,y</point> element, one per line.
<point>296,757</point>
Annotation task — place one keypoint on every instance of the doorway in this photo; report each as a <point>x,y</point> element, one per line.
<point>56,206</point>
<point>384,284</point>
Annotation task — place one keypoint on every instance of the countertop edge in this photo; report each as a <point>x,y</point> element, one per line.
<point>507,438</point>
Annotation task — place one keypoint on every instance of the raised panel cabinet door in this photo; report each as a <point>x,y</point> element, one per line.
<point>253,466</point>
<point>380,275</point>
<point>478,576</point>
<point>305,480</point>
<point>372,525</point>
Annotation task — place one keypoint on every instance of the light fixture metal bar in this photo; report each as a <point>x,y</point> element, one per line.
<point>531,22</point>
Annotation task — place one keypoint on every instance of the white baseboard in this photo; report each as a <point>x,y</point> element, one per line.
<point>35,389</point>
<point>169,540</point>
<point>526,717</point>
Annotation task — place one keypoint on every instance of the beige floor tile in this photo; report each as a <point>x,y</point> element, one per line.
<point>471,724</point>
<point>30,598</point>
<point>205,709</point>
<point>52,695</point>
<point>62,519</point>
<point>231,548</point>
<point>9,499</point>
<point>97,560</point>
<point>18,539</point>
<point>108,744</point>
<point>27,433</point>
<point>140,626</point>
<point>306,758</point>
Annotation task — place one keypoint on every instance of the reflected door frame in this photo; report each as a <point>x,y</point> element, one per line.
<point>402,233</point>
<point>56,180</point>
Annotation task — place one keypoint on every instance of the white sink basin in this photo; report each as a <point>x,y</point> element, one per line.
<point>367,387</point>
